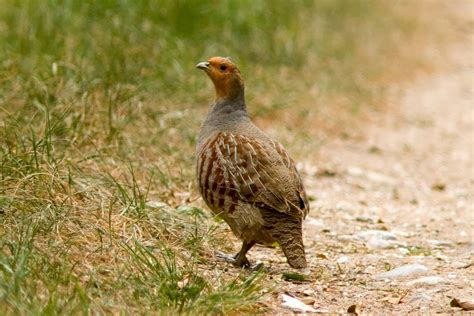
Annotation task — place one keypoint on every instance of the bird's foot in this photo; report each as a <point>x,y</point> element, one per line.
<point>239,261</point>
<point>225,257</point>
<point>256,267</point>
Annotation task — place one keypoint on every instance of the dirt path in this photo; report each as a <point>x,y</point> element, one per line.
<point>404,195</point>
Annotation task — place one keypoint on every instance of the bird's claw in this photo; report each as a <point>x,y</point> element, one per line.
<point>256,267</point>
<point>226,257</point>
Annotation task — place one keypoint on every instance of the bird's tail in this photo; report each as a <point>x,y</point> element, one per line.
<point>287,230</point>
<point>293,249</point>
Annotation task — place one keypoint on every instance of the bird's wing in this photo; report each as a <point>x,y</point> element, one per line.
<point>250,172</point>
<point>290,164</point>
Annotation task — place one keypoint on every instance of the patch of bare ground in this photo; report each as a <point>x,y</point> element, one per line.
<point>401,197</point>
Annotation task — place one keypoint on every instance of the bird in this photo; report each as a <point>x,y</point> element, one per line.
<point>244,176</point>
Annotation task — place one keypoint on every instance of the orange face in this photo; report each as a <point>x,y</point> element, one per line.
<point>225,76</point>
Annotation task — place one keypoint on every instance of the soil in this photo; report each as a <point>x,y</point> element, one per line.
<point>411,181</point>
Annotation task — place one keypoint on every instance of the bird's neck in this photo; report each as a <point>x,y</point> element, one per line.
<point>230,90</point>
<point>230,97</point>
<point>228,110</point>
<point>232,108</point>
<point>236,96</point>
<point>224,116</point>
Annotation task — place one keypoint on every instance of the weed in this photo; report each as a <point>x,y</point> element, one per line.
<point>418,251</point>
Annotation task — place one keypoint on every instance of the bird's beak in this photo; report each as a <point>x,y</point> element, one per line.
<point>203,65</point>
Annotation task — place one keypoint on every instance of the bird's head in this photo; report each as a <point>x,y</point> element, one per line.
<point>226,78</point>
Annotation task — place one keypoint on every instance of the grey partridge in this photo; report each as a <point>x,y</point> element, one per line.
<point>245,177</point>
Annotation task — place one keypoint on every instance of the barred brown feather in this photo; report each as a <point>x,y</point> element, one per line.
<point>242,169</point>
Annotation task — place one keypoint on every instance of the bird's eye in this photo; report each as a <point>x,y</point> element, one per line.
<point>223,67</point>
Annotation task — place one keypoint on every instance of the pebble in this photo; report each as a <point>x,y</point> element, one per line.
<point>343,259</point>
<point>440,243</point>
<point>378,239</point>
<point>321,311</point>
<point>429,280</point>
<point>375,243</point>
<point>403,271</point>
<point>420,298</point>
<point>296,305</point>
<point>364,219</point>
<point>470,250</point>
<point>158,204</point>
<point>345,238</point>
<point>313,222</point>
<point>370,175</point>
<point>404,251</point>
<point>308,292</point>
<point>462,265</point>
<point>308,300</point>
<point>375,234</point>
<point>442,258</point>
<point>403,233</point>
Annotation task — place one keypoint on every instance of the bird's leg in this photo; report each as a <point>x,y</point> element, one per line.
<point>240,258</point>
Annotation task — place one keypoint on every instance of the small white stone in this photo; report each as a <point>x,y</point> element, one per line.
<point>375,243</point>
<point>404,251</point>
<point>345,238</point>
<point>295,304</point>
<point>311,221</point>
<point>420,298</point>
<point>159,205</point>
<point>405,270</point>
<point>440,243</point>
<point>375,234</point>
<point>343,259</point>
<point>430,280</point>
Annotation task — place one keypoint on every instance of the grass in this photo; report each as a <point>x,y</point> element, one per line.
<point>99,108</point>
